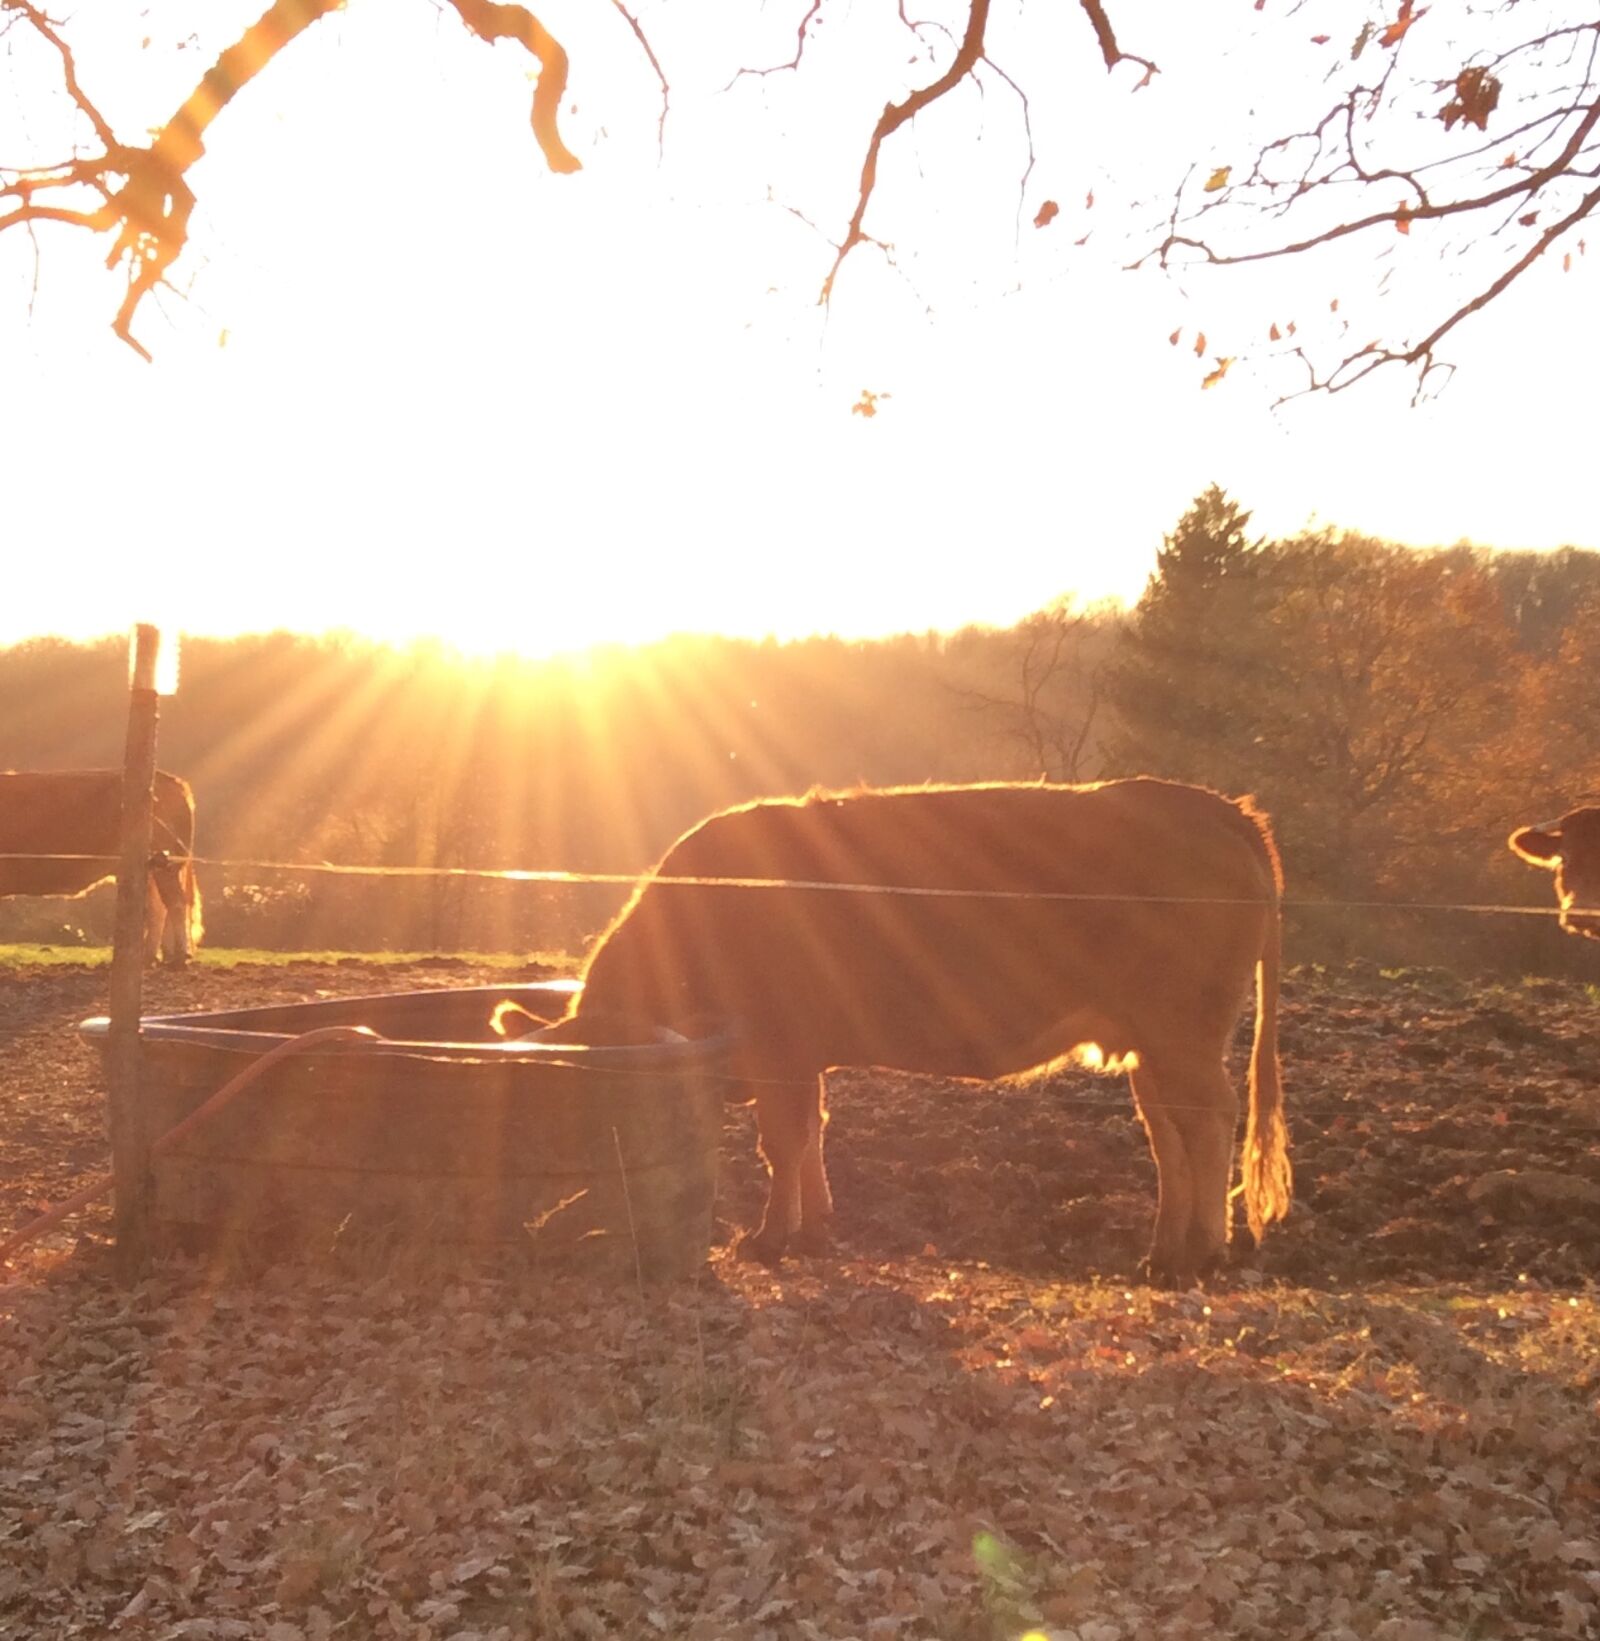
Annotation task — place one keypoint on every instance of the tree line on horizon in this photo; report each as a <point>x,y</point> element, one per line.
<point>1396,711</point>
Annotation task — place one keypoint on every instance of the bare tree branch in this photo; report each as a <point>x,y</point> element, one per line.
<point>151,205</point>
<point>144,193</point>
<point>968,55</point>
<point>43,27</point>
<point>1358,366</point>
<point>799,51</point>
<point>1424,210</point>
<point>1109,49</point>
<point>649,51</point>
<point>1489,155</point>
<point>895,115</point>
<point>492,22</point>
<point>1359,148</point>
<point>1027,131</point>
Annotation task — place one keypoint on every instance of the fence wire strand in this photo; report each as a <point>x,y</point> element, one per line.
<point>559,877</point>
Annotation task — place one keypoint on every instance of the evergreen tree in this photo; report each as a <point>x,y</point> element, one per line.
<point>1185,677</point>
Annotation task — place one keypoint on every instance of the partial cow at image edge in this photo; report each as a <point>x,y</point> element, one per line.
<point>1569,847</point>
<point>61,829</point>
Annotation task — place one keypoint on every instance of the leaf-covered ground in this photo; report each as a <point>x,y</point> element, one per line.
<point>969,1424</point>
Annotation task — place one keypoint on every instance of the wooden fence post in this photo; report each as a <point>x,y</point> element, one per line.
<point>130,1138</point>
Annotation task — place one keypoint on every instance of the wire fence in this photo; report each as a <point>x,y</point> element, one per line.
<point>1352,1109</point>
<point>558,876</point>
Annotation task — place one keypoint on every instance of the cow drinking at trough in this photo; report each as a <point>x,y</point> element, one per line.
<point>79,812</point>
<point>1034,921</point>
<point>1570,847</point>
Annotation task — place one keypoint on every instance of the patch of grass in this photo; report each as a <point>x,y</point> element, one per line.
<point>233,957</point>
<point>25,954</point>
<point>1428,979</point>
<point>1532,990</point>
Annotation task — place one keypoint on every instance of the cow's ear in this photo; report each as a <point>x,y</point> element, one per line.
<point>1540,845</point>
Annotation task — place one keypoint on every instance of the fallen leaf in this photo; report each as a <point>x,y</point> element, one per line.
<point>1401,26</point>
<point>1477,94</point>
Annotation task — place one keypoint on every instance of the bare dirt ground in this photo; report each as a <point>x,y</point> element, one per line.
<point>969,1423</point>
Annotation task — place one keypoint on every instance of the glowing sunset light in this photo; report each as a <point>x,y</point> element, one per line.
<point>420,387</point>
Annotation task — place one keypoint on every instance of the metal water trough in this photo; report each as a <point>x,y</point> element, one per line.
<point>439,1134</point>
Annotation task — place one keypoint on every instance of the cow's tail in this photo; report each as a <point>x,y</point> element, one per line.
<point>191,899</point>
<point>1268,1180</point>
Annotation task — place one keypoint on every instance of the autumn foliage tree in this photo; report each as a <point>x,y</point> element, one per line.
<point>1383,702</point>
<point>1394,673</point>
<point>1558,744</point>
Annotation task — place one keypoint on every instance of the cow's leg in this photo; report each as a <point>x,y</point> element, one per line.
<point>1168,1262</point>
<point>168,887</point>
<point>784,1117</point>
<point>155,918</point>
<point>1209,1118</point>
<point>816,1200</point>
<point>1190,1111</point>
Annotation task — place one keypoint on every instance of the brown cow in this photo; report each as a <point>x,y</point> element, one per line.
<point>1571,848</point>
<point>79,812</point>
<point>1131,915</point>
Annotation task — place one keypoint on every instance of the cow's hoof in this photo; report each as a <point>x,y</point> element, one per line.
<point>1163,1273</point>
<point>812,1240</point>
<point>760,1248</point>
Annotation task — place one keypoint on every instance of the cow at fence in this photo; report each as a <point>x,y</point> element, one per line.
<point>1570,847</point>
<point>49,816</point>
<point>976,931</point>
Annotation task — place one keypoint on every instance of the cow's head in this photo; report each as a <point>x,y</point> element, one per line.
<point>1570,847</point>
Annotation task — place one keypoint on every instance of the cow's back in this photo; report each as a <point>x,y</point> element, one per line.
<point>57,812</point>
<point>1113,902</point>
<point>78,812</point>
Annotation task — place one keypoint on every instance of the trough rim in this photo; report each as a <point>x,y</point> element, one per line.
<point>191,1030</point>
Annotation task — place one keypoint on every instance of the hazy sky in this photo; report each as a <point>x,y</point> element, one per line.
<point>419,385</point>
